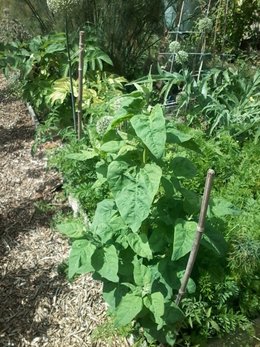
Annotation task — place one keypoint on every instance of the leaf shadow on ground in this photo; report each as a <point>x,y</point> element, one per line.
<point>20,219</point>
<point>27,298</point>
<point>19,133</point>
<point>29,280</point>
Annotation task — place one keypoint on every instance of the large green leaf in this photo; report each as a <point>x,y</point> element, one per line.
<point>134,190</point>
<point>177,136</point>
<point>140,245</point>
<point>155,303</point>
<point>151,130</point>
<point>191,202</point>
<point>128,309</point>
<point>191,285</point>
<point>182,139</point>
<point>173,314</point>
<point>220,207</point>
<point>83,155</point>
<point>74,230</point>
<point>113,293</point>
<point>183,167</point>
<point>142,275</point>
<point>214,241</point>
<point>107,222</point>
<point>80,257</point>
<point>183,238</point>
<point>105,262</point>
<point>55,47</point>
<point>112,146</point>
<point>168,186</point>
<point>124,107</point>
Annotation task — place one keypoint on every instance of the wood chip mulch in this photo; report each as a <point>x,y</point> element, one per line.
<point>38,307</point>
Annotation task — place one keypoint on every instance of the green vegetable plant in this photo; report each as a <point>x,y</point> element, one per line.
<point>78,176</point>
<point>39,61</point>
<point>142,232</point>
<point>237,179</point>
<point>43,68</point>
<point>223,99</point>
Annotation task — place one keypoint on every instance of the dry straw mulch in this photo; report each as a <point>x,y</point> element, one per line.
<point>38,307</point>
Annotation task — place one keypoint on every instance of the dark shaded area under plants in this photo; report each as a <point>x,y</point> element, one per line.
<point>27,296</point>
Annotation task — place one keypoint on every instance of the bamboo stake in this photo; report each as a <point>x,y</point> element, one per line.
<point>80,81</point>
<point>198,236</point>
<point>177,33</point>
<point>70,74</point>
<point>225,27</point>
<point>203,48</point>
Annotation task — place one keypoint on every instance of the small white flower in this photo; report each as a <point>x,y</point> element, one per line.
<point>181,57</point>
<point>57,6</point>
<point>174,46</point>
<point>102,124</point>
<point>205,24</point>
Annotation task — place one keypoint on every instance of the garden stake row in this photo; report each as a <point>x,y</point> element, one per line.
<point>80,81</point>
<point>199,233</point>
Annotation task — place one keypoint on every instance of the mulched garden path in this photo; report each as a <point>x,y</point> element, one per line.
<point>38,307</point>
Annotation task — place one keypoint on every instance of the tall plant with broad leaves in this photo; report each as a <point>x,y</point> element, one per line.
<point>141,234</point>
<point>43,68</point>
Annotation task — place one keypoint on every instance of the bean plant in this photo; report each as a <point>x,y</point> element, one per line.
<point>142,232</point>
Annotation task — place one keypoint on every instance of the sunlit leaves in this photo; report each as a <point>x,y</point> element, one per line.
<point>151,130</point>
<point>134,190</point>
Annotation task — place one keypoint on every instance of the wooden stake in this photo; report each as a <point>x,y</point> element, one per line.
<point>203,48</point>
<point>70,74</point>
<point>177,34</point>
<point>80,81</point>
<point>198,236</point>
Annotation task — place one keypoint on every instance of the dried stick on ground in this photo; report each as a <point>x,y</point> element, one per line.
<point>199,233</point>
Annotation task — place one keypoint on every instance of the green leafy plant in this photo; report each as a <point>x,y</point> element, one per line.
<point>43,68</point>
<point>222,99</point>
<point>142,232</point>
<point>77,176</point>
<point>237,179</point>
<point>108,332</point>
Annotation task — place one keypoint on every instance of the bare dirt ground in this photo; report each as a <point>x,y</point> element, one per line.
<point>38,307</point>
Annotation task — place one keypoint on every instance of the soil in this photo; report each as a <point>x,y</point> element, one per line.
<point>38,306</point>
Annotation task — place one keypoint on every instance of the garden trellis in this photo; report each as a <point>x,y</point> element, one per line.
<point>202,22</point>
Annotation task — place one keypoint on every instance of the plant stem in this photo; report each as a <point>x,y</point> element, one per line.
<point>70,75</point>
<point>199,233</point>
<point>44,28</point>
<point>144,156</point>
<point>80,81</point>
